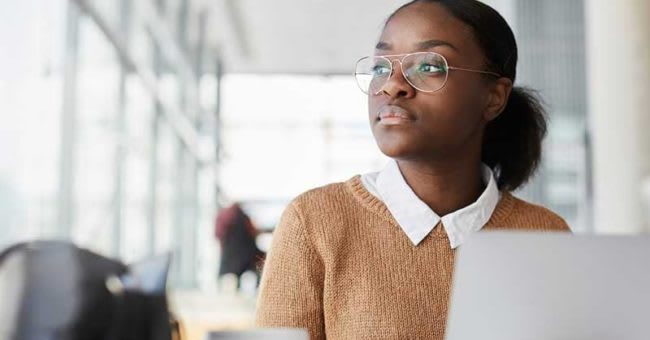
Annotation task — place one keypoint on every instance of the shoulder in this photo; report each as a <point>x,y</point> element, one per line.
<point>535,216</point>
<point>324,199</point>
<point>320,203</point>
<point>333,209</point>
<point>316,213</point>
<point>326,192</point>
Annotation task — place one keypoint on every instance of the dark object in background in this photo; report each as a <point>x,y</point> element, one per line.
<point>54,290</point>
<point>236,234</point>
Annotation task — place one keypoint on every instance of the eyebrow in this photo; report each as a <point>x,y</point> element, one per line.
<point>384,46</point>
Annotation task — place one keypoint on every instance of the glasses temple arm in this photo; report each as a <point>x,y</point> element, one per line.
<point>471,70</point>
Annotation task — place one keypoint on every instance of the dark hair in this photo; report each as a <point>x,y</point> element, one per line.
<point>512,142</point>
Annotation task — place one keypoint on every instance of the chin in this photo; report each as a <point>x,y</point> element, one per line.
<point>396,150</point>
<point>408,150</point>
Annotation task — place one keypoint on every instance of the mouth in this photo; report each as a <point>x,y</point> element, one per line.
<point>394,115</point>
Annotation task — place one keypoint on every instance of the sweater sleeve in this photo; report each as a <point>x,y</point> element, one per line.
<point>291,289</point>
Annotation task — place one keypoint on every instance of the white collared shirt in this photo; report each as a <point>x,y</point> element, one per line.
<point>417,219</point>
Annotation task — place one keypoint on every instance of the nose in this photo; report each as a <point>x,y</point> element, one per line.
<point>397,86</point>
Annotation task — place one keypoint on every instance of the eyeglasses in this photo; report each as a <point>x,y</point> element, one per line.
<point>425,71</point>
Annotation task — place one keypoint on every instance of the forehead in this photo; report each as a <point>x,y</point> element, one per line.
<point>423,22</point>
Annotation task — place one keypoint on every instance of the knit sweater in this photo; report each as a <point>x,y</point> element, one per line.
<point>341,267</point>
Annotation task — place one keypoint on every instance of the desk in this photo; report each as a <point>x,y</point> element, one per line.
<point>200,312</point>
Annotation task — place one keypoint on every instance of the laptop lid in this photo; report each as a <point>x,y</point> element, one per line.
<point>260,334</point>
<point>530,286</point>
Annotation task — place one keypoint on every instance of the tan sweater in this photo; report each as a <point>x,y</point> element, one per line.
<point>341,266</point>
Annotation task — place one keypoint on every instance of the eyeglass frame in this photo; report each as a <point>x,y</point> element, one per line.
<point>400,60</point>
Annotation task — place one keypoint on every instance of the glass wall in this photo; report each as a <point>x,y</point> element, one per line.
<point>105,151</point>
<point>96,148</point>
<point>32,35</point>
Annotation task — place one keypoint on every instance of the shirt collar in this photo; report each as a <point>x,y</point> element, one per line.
<point>418,220</point>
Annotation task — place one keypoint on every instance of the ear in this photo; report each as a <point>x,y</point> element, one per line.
<point>499,92</point>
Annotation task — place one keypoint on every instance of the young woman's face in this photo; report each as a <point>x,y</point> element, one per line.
<point>434,125</point>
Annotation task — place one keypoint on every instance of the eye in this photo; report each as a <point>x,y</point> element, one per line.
<point>380,70</point>
<point>431,69</point>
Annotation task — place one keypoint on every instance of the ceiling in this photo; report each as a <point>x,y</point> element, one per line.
<point>295,37</point>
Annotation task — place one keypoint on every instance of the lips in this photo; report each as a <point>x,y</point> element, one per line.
<point>394,114</point>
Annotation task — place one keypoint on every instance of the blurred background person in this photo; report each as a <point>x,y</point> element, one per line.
<point>236,235</point>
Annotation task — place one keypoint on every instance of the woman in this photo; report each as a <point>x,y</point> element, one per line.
<point>373,257</point>
<point>236,234</point>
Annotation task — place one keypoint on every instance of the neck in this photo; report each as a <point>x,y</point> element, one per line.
<point>444,186</point>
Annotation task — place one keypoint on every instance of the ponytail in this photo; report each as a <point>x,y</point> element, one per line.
<point>512,142</point>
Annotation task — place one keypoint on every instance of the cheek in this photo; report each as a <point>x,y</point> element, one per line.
<point>453,117</point>
<point>462,104</point>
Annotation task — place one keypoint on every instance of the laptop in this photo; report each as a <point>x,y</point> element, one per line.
<point>534,286</point>
<point>260,334</point>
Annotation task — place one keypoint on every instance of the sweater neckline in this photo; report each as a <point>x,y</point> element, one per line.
<point>369,201</point>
